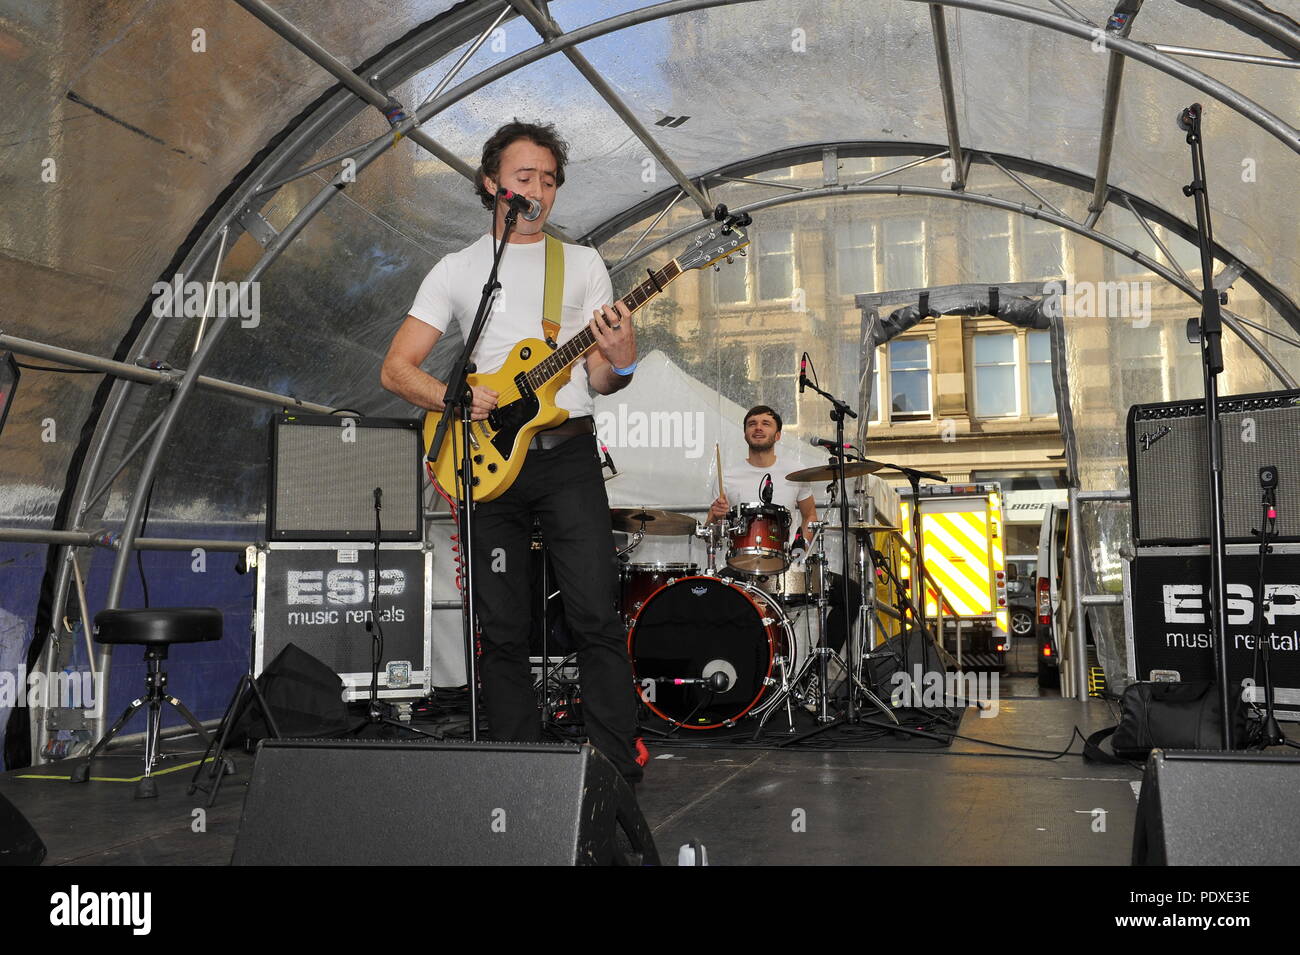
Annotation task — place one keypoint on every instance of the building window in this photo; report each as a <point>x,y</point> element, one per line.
<point>855,257</point>
<point>991,232</point>
<point>731,282</point>
<point>904,254</point>
<point>1142,366</point>
<point>776,265</point>
<point>997,391</point>
<point>778,368</point>
<point>909,379</point>
<point>1042,250</point>
<point>1042,393</point>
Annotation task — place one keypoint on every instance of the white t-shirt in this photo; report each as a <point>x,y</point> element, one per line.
<point>453,287</point>
<point>742,482</point>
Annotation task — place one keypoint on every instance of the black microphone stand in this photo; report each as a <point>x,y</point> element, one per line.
<point>1270,732</point>
<point>1208,331</point>
<point>839,411</point>
<point>375,712</point>
<point>460,398</point>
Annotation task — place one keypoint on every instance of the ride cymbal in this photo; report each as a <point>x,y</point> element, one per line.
<point>831,472</point>
<point>651,521</point>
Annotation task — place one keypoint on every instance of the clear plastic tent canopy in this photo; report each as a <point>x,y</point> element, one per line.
<point>323,147</point>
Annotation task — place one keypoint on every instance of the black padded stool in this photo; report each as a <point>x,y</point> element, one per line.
<point>155,629</point>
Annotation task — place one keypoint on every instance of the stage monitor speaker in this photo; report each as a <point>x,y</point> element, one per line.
<point>381,802</point>
<point>19,843</point>
<point>1201,808</point>
<point>1168,465</point>
<point>324,471</point>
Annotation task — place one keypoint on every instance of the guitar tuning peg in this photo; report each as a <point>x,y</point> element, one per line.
<point>742,252</point>
<point>717,267</point>
<point>729,260</point>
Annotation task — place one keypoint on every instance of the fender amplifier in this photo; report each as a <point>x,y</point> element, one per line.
<point>1169,467</point>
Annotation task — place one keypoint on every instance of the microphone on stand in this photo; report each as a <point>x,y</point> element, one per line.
<point>803,371</point>
<point>829,445</point>
<point>765,489</point>
<point>1188,116</point>
<point>529,209</point>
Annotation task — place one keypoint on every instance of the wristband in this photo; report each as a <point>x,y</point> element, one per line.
<point>625,372</point>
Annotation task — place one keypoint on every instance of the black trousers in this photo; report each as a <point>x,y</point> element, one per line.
<point>564,488</point>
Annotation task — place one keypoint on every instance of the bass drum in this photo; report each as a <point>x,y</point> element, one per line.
<point>699,626</point>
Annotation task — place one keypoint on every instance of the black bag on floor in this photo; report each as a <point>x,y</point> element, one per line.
<point>1169,716</point>
<point>305,698</point>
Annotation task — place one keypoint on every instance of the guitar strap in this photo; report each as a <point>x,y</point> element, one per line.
<point>553,290</point>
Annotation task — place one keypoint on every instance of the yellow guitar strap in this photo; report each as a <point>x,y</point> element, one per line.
<point>553,290</point>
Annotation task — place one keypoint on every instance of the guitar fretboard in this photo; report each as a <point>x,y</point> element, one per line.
<point>579,344</point>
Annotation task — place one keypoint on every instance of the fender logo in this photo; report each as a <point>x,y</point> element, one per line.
<point>1149,439</point>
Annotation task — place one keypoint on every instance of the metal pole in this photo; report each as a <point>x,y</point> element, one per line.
<point>939,28</point>
<point>1078,558</point>
<point>1231,57</point>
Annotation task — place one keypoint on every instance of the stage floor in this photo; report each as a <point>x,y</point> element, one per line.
<point>967,804</point>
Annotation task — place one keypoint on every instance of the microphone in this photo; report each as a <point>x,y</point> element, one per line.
<point>609,462</point>
<point>765,489</point>
<point>719,682</point>
<point>1188,116</point>
<point>379,497</point>
<point>803,371</point>
<point>530,209</point>
<point>829,444</point>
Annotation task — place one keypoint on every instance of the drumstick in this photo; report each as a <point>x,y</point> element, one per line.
<point>718,453</point>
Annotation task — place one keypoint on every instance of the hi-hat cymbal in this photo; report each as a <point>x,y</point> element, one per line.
<point>651,521</point>
<point>831,472</point>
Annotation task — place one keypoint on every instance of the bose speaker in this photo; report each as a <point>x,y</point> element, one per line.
<point>324,472</point>
<point>1169,467</point>
<point>1218,809</point>
<point>384,802</point>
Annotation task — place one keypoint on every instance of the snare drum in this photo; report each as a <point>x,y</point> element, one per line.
<point>699,626</point>
<point>759,534</point>
<point>638,581</point>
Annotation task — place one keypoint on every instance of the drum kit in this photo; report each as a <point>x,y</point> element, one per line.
<point>712,647</point>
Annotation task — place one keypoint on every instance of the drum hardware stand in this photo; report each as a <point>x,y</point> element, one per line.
<point>458,399</point>
<point>840,410</point>
<point>709,533</point>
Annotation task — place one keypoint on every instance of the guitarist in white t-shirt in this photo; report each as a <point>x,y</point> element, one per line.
<point>742,482</point>
<point>560,480</point>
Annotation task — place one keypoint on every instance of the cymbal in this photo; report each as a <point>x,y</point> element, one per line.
<point>651,521</point>
<point>831,472</point>
<point>858,527</point>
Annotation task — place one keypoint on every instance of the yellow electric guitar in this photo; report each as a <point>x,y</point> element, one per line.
<point>527,383</point>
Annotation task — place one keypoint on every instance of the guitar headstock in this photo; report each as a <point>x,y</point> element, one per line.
<point>711,245</point>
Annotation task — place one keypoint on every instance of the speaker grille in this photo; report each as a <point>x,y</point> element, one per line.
<point>1168,467</point>
<point>325,470</point>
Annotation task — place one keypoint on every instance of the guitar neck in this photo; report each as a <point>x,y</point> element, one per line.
<point>581,343</point>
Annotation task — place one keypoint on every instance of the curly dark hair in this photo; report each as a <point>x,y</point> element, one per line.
<point>764,409</point>
<point>543,134</point>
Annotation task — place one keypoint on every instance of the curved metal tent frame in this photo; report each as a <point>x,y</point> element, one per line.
<point>236,211</point>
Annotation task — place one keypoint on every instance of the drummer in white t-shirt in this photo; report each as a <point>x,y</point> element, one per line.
<point>742,481</point>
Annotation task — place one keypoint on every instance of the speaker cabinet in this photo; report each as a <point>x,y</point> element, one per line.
<point>19,843</point>
<point>1168,467</point>
<point>1218,809</point>
<point>324,471</point>
<point>369,802</point>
